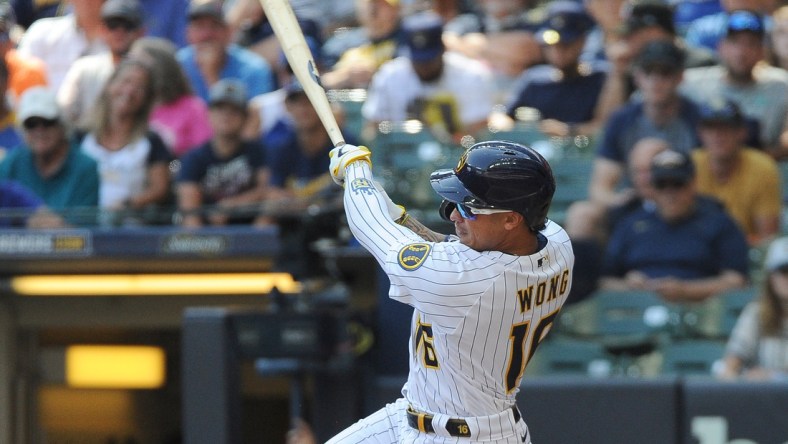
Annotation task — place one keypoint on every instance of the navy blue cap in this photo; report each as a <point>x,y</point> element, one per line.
<point>672,165</point>
<point>660,53</point>
<point>722,112</point>
<point>566,22</point>
<point>745,21</point>
<point>424,36</point>
<point>647,14</point>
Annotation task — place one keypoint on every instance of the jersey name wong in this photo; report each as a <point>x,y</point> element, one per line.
<point>544,291</point>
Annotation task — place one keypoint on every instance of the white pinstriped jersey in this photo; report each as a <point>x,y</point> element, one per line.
<point>478,316</point>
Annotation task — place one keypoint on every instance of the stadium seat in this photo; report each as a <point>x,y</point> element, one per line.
<point>716,317</point>
<point>691,358</point>
<point>351,101</point>
<point>570,357</point>
<point>625,322</point>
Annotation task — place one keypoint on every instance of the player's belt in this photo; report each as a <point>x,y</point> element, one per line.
<point>456,427</point>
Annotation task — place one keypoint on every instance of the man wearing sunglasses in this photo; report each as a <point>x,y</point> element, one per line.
<point>686,248</point>
<point>48,164</point>
<point>483,298</point>
<point>123,24</point>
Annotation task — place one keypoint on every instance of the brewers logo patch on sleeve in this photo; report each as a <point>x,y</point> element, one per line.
<point>412,256</point>
<point>362,185</point>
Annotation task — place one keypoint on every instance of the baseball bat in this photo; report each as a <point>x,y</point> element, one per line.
<point>291,39</point>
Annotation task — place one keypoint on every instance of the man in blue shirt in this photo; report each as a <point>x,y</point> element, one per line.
<point>211,57</point>
<point>564,91</point>
<point>686,249</point>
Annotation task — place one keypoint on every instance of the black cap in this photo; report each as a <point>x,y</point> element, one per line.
<point>424,36</point>
<point>566,22</point>
<point>722,112</point>
<point>672,165</point>
<point>649,13</point>
<point>130,10</point>
<point>206,8</point>
<point>660,54</point>
<point>745,21</point>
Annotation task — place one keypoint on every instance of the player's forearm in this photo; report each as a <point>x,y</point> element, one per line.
<point>420,229</point>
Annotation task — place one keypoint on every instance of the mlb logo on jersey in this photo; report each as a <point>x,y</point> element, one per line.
<point>412,256</point>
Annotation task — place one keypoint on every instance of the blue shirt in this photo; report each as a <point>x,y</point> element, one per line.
<point>290,166</point>
<point>242,64</point>
<point>571,100</point>
<point>703,245</point>
<point>707,31</point>
<point>629,124</point>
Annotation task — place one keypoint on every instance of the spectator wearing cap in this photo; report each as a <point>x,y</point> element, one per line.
<point>686,249</point>
<point>225,180</point>
<point>48,163</point>
<point>23,71</point>
<point>352,57</point>
<point>297,147</point>
<point>757,349</point>
<point>644,21</point>
<point>59,41</point>
<point>565,90</point>
<point>657,111</point>
<point>266,109</point>
<point>450,93</point>
<point>133,161</point>
<point>123,23</point>
<point>211,56</point>
<point>707,31</point>
<point>745,180</point>
<point>760,90</point>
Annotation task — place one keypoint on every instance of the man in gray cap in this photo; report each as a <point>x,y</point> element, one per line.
<point>123,24</point>
<point>225,180</point>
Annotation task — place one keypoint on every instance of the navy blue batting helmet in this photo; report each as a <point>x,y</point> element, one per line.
<point>499,175</point>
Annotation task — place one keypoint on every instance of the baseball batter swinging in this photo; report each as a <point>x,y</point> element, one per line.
<point>483,299</point>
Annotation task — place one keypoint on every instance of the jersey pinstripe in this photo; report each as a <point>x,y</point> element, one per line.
<point>478,316</point>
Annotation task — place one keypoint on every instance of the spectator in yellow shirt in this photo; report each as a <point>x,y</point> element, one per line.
<point>746,180</point>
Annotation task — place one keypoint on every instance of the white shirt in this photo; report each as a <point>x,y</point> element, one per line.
<point>82,85</point>
<point>465,91</point>
<point>58,42</point>
<point>122,173</point>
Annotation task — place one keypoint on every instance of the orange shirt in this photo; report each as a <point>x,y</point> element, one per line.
<point>24,72</point>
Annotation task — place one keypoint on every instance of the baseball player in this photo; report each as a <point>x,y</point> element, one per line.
<point>483,299</point>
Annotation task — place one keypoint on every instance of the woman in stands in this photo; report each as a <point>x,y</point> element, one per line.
<point>758,346</point>
<point>133,161</point>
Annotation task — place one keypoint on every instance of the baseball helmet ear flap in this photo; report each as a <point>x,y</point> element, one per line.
<point>446,209</point>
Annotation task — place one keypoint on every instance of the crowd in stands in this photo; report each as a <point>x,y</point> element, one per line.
<point>130,112</point>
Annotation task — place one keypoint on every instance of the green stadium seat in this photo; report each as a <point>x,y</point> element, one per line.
<point>569,357</point>
<point>691,358</point>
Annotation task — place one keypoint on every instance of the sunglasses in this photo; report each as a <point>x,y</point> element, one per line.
<point>469,213</point>
<point>118,23</point>
<point>670,184</point>
<point>36,122</point>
